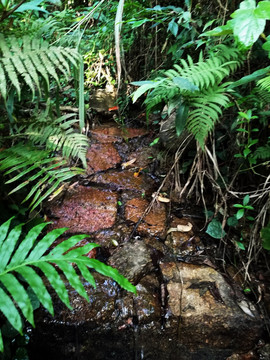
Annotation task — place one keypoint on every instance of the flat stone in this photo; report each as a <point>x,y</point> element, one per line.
<point>114,134</point>
<point>210,315</point>
<point>132,260</point>
<point>101,157</point>
<point>125,180</point>
<point>85,210</point>
<point>154,223</point>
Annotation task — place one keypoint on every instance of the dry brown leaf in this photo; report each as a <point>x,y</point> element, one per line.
<point>181,228</point>
<point>128,163</point>
<point>163,199</point>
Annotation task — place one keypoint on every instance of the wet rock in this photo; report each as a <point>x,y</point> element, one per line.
<point>103,99</point>
<point>85,210</point>
<point>247,356</point>
<point>144,156</point>
<point>154,223</point>
<point>101,157</point>
<point>204,307</point>
<point>114,237</point>
<point>98,329</point>
<point>182,242</point>
<point>125,180</point>
<point>132,260</point>
<point>113,134</point>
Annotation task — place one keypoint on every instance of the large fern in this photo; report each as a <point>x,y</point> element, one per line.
<point>25,60</point>
<point>59,135</point>
<point>18,260</point>
<point>35,168</point>
<point>194,90</point>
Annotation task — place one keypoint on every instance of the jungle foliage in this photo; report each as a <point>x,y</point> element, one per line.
<point>205,63</point>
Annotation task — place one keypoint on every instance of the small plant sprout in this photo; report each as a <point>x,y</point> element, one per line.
<point>244,208</point>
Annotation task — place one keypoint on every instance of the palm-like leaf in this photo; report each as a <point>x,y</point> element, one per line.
<point>25,60</point>
<point>58,135</point>
<point>195,87</point>
<point>35,167</point>
<point>27,257</point>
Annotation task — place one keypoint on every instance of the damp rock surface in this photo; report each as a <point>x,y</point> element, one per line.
<point>132,260</point>
<point>101,157</point>
<point>183,310</point>
<point>85,210</point>
<point>209,310</point>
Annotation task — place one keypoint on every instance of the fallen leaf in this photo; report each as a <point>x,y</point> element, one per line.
<point>181,228</point>
<point>137,173</point>
<point>128,163</point>
<point>57,192</point>
<point>163,199</point>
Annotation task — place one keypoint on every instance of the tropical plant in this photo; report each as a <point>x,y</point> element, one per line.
<point>21,262</point>
<point>25,60</point>
<point>58,135</point>
<point>36,168</point>
<point>193,90</point>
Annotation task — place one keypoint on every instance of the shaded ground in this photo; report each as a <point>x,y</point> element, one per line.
<point>184,309</point>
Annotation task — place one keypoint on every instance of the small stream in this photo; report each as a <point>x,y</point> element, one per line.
<point>184,308</point>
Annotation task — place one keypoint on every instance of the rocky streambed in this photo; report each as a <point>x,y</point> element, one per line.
<point>184,307</point>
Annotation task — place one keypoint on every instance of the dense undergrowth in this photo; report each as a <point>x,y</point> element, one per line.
<point>203,68</point>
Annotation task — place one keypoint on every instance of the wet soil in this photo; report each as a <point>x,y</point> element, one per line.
<point>184,307</point>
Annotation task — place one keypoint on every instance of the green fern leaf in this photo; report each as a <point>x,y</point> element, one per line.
<point>58,135</point>
<point>27,159</point>
<point>25,63</point>
<point>29,256</point>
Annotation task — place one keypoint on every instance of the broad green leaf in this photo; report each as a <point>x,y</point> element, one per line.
<point>56,282</point>
<point>240,206</point>
<point>37,285</point>
<point>220,30</point>
<point>263,10</point>
<point>44,244</point>
<point>215,230</point>
<point>173,27</point>
<point>246,200</point>
<point>246,26</point>
<point>9,245</point>
<point>240,213</point>
<point>143,89</point>
<point>247,4</point>
<point>9,310</point>
<point>15,288</point>
<point>181,117</point>
<point>26,245</point>
<point>72,277</point>
<point>32,6</point>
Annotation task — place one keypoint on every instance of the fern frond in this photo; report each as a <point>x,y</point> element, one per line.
<point>263,152</point>
<point>206,112</point>
<point>24,63</point>
<point>22,259</point>
<point>58,135</point>
<point>264,83</point>
<point>36,168</point>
